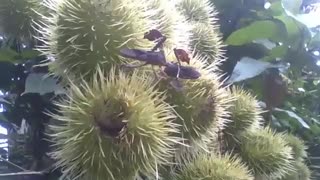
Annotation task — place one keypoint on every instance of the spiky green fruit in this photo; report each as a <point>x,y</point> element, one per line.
<point>266,153</point>
<point>170,23</point>
<point>245,113</point>
<point>112,127</point>
<point>207,42</point>
<point>82,34</point>
<point>245,110</point>
<point>298,147</point>
<point>198,11</point>
<point>206,39</point>
<point>201,103</point>
<point>214,167</point>
<point>183,154</point>
<point>301,172</point>
<point>17,17</point>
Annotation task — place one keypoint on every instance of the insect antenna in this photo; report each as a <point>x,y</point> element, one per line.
<point>159,45</point>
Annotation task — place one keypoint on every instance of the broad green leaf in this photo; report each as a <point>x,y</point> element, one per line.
<point>266,43</point>
<point>276,9</point>
<point>248,68</point>
<point>255,84</point>
<point>301,59</point>
<point>315,129</point>
<point>257,30</point>
<point>277,52</point>
<point>294,116</point>
<point>29,54</point>
<point>297,32</point>
<point>286,121</point>
<point>8,55</point>
<point>255,50</point>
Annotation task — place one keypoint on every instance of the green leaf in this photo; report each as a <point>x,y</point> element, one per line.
<point>255,85</point>
<point>8,55</point>
<point>294,31</point>
<point>276,9</point>
<point>277,52</point>
<point>29,54</point>
<point>293,115</point>
<point>248,68</point>
<point>257,30</point>
<point>315,129</point>
<point>301,60</point>
<point>252,50</point>
<point>286,121</point>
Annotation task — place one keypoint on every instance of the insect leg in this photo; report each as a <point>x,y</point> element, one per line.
<point>159,44</point>
<point>133,66</point>
<point>179,63</point>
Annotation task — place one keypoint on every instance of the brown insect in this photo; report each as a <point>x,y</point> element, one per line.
<point>182,55</point>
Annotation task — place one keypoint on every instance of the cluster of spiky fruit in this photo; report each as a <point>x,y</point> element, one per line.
<point>173,123</point>
<point>17,18</point>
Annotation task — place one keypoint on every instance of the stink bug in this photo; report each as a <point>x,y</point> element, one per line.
<point>181,55</point>
<point>152,35</point>
<point>172,70</point>
<point>149,57</point>
<point>158,58</point>
<point>183,72</point>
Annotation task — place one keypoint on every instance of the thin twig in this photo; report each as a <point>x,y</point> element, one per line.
<point>12,164</point>
<point>21,174</point>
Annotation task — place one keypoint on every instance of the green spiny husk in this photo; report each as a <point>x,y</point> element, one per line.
<point>298,147</point>
<point>183,154</point>
<point>198,129</point>
<point>201,104</point>
<point>301,172</point>
<point>267,153</point>
<point>17,16</point>
<point>245,114</point>
<point>207,42</point>
<point>170,23</point>
<point>200,11</point>
<point>214,167</point>
<point>82,34</point>
<point>87,146</point>
<point>205,36</point>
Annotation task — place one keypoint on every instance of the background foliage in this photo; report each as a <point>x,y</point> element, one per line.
<point>273,50</point>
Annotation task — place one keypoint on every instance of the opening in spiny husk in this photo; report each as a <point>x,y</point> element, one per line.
<point>112,122</point>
